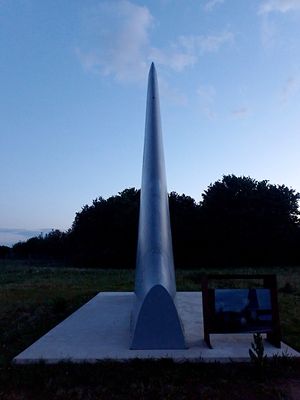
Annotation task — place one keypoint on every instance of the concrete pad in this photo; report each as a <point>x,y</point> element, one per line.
<point>100,330</point>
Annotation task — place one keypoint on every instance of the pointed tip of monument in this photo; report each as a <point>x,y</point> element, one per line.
<point>152,67</point>
<point>152,72</point>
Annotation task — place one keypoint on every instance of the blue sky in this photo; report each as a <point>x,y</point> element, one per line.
<point>73,91</point>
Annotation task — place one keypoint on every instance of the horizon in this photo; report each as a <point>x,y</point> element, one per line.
<point>75,79</point>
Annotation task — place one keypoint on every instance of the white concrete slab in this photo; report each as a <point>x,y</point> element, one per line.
<point>100,330</point>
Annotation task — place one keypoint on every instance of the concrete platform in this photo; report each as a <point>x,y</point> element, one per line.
<point>100,330</point>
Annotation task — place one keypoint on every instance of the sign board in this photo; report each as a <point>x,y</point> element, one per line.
<point>239,310</point>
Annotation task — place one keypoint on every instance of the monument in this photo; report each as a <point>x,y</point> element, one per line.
<point>155,323</point>
<point>149,322</point>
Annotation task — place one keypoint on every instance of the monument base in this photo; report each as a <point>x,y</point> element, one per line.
<point>100,330</point>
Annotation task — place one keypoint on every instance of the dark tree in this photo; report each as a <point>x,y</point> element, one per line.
<point>53,244</point>
<point>105,233</point>
<point>184,215</point>
<point>31,248</point>
<point>50,246</point>
<point>5,251</point>
<point>240,221</point>
<point>247,221</point>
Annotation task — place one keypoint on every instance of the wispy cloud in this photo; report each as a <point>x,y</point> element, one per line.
<point>173,94</point>
<point>207,94</point>
<point>210,5</point>
<point>282,6</point>
<point>122,40</point>
<point>240,112</point>
<point>187,50</point>
<point>10,236</point>
<point>174,57</point>
<point>123,48</point>
<point>268,32</point>
<point>201,44</point>
<point>290,88</point>
<point>270,28</point>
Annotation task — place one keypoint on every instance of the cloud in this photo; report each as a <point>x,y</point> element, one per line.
<point>121,40</point>
<point>282,6</point>
<point>173,94</point>
<point>207,94</point>
<point>201,44</point>
<point>119,44</point>
<point>272,35</point>
<point>175,57</point>
<point>240,112</point>
<point>10,236</point>
<point>187,50</point>
<point>210,5</point>
<point>269,33</point>
<point>290,89</point>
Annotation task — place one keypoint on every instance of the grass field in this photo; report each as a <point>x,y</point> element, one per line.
<point>34,298</point>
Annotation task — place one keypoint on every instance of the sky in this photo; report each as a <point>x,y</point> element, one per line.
<point>73,82</point>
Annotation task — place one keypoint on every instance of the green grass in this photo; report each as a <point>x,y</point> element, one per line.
<point>35,297</point>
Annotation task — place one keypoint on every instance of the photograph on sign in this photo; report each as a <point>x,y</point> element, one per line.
<point>242,310</point>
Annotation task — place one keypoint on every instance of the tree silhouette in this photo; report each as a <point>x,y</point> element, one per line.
<point>240,221</point>
<point>5,251</point>
<point>250,221</point>
<point>105,233</point>
<point>184,215</point>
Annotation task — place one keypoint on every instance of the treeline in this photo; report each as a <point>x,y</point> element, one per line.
<point>239,222</point>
